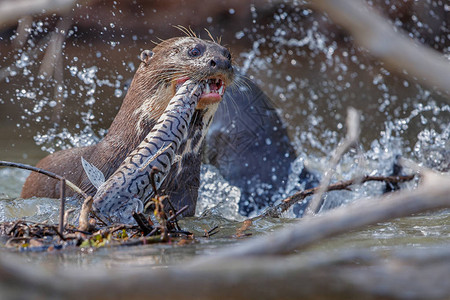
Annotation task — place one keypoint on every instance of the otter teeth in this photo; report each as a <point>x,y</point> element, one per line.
<point>214,85</point>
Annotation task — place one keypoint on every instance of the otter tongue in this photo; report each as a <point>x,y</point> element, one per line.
<point>213,86</point>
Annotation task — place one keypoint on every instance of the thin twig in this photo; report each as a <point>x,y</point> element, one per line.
<point>86,208</point>
<point>45,172</point>
<point>350,140</point>
<point>174,212</point>
<point>58,232</point>
<point>62,198</point>
<point>276,211</point>
<point>211,231</point>
<point>177,213</point>
<point>142,222</point>
<point>99,218</point>
<point>153,232</point>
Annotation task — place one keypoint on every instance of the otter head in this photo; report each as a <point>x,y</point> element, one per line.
<point>174,61</point>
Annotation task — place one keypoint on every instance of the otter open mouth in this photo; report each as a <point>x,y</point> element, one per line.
<point>213,91</point>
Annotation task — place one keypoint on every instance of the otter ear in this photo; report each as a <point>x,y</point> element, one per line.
<point>146,55</point>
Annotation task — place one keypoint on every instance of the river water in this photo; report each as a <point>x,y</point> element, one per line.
<point>311,73</point>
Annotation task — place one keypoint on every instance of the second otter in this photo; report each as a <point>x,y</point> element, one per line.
<point>172,62</point>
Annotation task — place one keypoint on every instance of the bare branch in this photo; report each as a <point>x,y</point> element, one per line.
<point>52,61</point>
<point>350,140</point>
<point>276,211</point>
<point>13,10</point>
<point>431,195</point>
<point>22,31</point>
<point>45,172</point>
<point>396,49</point>
<point>62,205</point>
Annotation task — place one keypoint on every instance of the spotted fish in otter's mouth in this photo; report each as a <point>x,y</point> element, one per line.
<point>129,187</point>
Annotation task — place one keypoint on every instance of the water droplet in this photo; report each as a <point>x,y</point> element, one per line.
<point>239,35</point>
<point>118,93</point>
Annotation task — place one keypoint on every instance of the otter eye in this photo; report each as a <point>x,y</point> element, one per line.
<point>194,52</point>
<point>228,55</point>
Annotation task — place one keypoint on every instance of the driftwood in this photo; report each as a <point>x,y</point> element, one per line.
<point>360,274</point>
<point>247,271</point>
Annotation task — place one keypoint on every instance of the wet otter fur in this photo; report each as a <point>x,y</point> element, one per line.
<point>151,89</point>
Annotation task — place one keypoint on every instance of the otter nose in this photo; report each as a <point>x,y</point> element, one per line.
<point>220,63</point>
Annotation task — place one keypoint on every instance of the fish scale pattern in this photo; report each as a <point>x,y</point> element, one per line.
<point>127,188</point>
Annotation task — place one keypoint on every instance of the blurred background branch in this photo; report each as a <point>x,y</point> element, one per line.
<point>13,10</point>
<point>394,48</point>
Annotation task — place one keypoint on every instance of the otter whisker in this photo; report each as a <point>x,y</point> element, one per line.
<point>240,81</point>
<point>187,31</point>
<point>181,28</point>
<point>235,88</point>
<point>193,33</point>
<point>160,40</point>
<point>210,35</point>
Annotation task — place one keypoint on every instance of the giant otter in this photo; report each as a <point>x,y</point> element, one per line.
<point>150,91</point>
<point>247,141</point>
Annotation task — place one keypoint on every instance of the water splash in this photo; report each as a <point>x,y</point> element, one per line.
<point>314,77</point>
<point>217,196</point>
<point>310,69</point>
<point>11,182</point>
